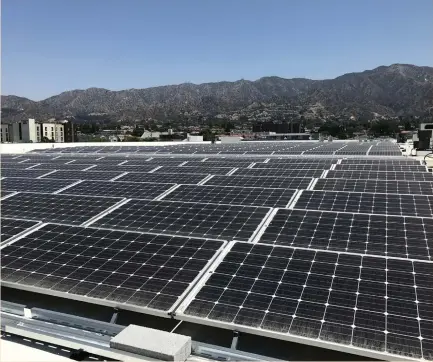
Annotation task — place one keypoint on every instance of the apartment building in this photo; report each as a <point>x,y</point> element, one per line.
<point>32,131</point>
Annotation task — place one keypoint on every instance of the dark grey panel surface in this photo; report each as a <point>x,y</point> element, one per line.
<point>396,236</point>
<point>226,222</point>
<point>69,209</point>
<point>33,185</point>
<point>232,195</point>
<point>10,172</point>
<point>398,175</point>
<point>118,189</point>
<point>84,175</point>
<point>264,181</point>
<point>12,227</point>
<point>126,268</point>
<point>181,178</point>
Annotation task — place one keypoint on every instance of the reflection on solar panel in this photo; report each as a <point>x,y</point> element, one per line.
<point>368,302</point>
<point>367,203</point>
<point>180,178</point>
<point>264,181</point>
<point>226,222</point>
<point>398,175</point>
<point>33,185</point>
<point>13,227</point>
<point>120,189</point>
<point>135,269</point>
<point>398,236</point>
<point>379,186</point>
<point>276,172</point>
<point>232,195</point>
<point>407,168</point>
<point>69,166</point>
<point>198,170</point>
<point>55,208</point>
<point>84,175</point>
<point>10,172</point>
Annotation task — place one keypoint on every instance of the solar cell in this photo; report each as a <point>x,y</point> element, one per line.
<point>11,172</point>
<point>396,236</point>
<point>119,189</point>
<point>350,300</point>
<point>406,168</point>
<point>106,267</point>
<point>5,193</point>
<point>232,195</point>
<point>195,170</point>
<point>181,178</point>
<point>12,227</point>
<point>33,185</point>
<point>84,175</point>
<point>367,203</point>
<point>379,186</point>
<point>70,209</point>
<point>276,172</point>
<point>264,181</point>
<point>397,175</point>
<point>226,222</point>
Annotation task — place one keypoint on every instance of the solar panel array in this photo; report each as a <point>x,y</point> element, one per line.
<point>319,243</point>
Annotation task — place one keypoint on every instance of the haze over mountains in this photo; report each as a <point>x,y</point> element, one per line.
<point>399,89</point>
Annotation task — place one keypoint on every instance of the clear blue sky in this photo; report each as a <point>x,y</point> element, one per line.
<point>50,46</point>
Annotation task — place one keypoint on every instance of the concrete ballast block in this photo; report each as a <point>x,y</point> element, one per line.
<point>153,343</point>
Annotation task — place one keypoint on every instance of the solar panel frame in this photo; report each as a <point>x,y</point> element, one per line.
<point>195,170</point>
<point>32,173</point>
<point>89,275</point>
<point>260,305</point>
<point>68,166</point>
<point>276,172</point>
<point>381,167</point>
<point>83,175</point>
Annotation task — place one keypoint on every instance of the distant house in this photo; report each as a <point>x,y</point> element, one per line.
<point>150,134</point>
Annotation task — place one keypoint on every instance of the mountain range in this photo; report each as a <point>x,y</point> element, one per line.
<point>398,89</point>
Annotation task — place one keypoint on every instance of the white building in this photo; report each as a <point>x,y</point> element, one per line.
<point>22,131</point>
<point>51,131</point>
<point>6,132</point>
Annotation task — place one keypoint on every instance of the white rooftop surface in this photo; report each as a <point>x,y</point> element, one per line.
<point>11,352</point>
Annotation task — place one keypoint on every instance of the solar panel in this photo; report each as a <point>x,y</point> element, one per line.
<point>11,172</point>
<point>57,166</point>
<point>368,303</point>
<point>5,193</point>
<point>84,175</point>
<point>13,227</point>
<point>232,195</point>
<point>121,168</point>
<point>317,161</point>
<point>264,181</point>
<point>154,162</point>
<point>119,189</point>
<point>195,170</point>
<point>379,186</point>
<point>397,236</point>
<point>367,203</point>
<point>115,268</point>
<point>181,178</point>
<point>220,163</point>
<point>295,166</point>
<point>406,168</point>
<point>276,172</point>
<point>69,209</point>
<point>33,185</point>
<point>226,222</point>
<point>378,161</point>
<point>16,165</point>
<point>397,175</point>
